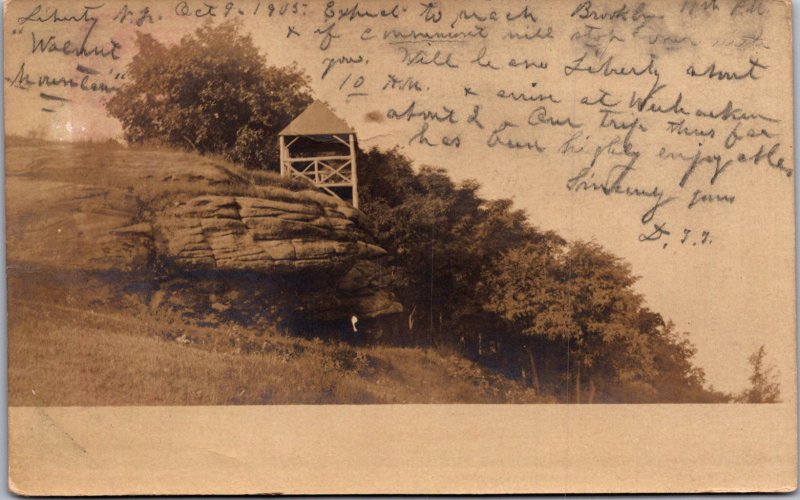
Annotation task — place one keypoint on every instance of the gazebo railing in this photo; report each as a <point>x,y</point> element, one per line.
<point>333,171</point>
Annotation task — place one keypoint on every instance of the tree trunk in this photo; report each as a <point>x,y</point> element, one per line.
<point>480,344</point>
<point>534,371</point>
<point>592,391</point>
<point>578,386</point>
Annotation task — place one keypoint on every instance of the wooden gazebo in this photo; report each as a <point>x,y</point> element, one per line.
<point>320,146</point>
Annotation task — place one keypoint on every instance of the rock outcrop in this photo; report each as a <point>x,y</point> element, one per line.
<point>259,234</point>
<point>104,209</point>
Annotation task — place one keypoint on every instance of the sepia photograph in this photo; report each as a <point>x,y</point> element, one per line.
<point>259,203</point>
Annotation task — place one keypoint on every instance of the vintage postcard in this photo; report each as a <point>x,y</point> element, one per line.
<point>390,246</point>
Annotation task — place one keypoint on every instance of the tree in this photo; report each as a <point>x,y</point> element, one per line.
<point>213,92</point>
<point>527,290</point>
<point>421,219</point>
<point>606,346</point>
<point>580,297</point>
<point>764,386</point>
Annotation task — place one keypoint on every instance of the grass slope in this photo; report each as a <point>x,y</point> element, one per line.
<point>66,356</point>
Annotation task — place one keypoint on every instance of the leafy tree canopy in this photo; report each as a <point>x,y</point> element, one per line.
<point>475,274</point>
<point>212,92</point>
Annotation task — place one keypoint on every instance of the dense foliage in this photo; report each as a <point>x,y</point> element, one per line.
<point>213,92</point>
<point>475,274</point>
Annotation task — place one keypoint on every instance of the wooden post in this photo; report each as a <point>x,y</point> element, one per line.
<point>282,156</point>
<point>354,176</point>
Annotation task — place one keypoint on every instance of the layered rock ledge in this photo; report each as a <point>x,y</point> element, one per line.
<point>97,208</point>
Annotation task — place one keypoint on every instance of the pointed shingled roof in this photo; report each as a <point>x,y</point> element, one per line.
<point>317,119</point>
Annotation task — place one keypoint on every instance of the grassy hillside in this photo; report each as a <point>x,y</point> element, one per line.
<point>65,351</point>
<point>89,322</point>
